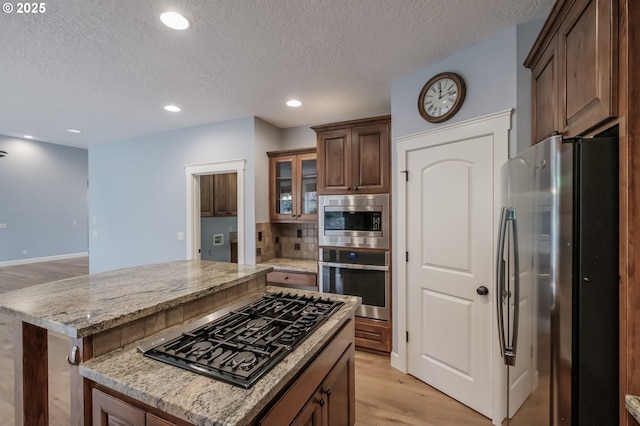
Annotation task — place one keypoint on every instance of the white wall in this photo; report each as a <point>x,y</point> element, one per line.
<point>495,81</point>
<point>137,195</point>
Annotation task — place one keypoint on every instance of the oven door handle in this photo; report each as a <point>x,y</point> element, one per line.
<point>355,266</point>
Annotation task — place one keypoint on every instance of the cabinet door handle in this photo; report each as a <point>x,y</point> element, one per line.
<point>355,188</point>
<point>321,402</point>
<point>328,392</point>
<point>348,188</point>
<point>286,277</point>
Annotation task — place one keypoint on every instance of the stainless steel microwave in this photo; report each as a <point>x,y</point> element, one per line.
<point>354,221</point>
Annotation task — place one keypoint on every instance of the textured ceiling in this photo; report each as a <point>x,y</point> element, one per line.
<point>108,67</point>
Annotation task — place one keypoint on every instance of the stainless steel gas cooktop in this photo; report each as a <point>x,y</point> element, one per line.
<point>242,343</point>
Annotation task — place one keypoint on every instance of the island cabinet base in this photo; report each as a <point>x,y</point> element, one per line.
<point>322,394</point>
<point>325,393</point>
<point>111,408</point>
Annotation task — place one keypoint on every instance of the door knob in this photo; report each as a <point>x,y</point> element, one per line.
<point>482,290</point>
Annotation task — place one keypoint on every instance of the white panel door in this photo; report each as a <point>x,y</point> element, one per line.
<point>450,244</point>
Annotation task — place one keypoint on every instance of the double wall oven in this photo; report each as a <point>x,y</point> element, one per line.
<point>354,250</point>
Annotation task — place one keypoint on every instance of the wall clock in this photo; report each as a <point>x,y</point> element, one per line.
<point>441,97</point>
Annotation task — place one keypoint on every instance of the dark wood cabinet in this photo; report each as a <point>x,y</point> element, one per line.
<point>298,280</point>
<point>325,393</point>
<point>225,194</point>
<point>544,78</point>
<point>111,410</point>
<point>219,195</point>
<point>157,421</point>
<point>573,64</point>
<point>206,196</point>
<point>293,186</point>
<point>373,335</point>
<point>354,156</point>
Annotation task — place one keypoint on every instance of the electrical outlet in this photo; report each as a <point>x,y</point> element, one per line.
<point>180,236</point>
<point>25,252</point>
<point>3,226</point>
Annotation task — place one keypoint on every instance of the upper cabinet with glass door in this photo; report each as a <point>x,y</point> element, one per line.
<point>293,185</point>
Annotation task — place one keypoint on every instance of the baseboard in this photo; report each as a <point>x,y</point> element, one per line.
<point>398,363</point>
<point>43,259</point>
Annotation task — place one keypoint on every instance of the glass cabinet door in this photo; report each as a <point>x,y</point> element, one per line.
<point>293,186</point>
<point>284,187</point>
<point>308,181</point>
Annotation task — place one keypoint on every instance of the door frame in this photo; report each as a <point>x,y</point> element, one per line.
<point>193,173</point>
<point>498,126</point>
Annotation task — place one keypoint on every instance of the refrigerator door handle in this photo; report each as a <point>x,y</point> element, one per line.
<point>512,343</point>
<point>500,279</point>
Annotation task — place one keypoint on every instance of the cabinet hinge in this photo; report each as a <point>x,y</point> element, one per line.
<point>406,256</point>
<point>406,175</point>
<point>407,337</point>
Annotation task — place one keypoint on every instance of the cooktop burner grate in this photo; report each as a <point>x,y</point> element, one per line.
<point>241,344</point>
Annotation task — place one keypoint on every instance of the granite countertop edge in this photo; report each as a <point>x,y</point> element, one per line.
<point>632,403</point>
<point>201,400</point>
<point>79,307</point>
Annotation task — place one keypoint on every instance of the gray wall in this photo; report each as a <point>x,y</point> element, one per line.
<point>495,80</point>
<point>137,199</point>
<point>43,200</point>
<point>211,226</point>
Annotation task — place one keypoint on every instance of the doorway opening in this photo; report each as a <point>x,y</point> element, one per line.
<point>219,217</point>
<point>195,174</point>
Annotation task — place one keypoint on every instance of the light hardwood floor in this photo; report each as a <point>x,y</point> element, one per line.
<point>384,396</point>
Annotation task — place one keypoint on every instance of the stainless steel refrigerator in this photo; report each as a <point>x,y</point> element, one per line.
<point>557,283</point>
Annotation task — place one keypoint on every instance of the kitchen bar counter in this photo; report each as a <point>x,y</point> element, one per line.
<point>294,265</point>
<point>83,306</point>
<point>95,311</point>
<point>201,400</point>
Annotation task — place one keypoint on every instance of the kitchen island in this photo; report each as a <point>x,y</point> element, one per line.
<point>104,316</point>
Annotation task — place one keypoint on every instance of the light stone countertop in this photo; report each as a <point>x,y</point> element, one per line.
<point>201,400</point>
<point>289,264</point>
<point>83,306</point>
<point>632,403</point>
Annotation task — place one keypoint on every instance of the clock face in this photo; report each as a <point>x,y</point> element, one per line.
<point>441,97</point>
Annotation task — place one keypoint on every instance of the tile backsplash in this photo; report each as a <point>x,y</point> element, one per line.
<point>292,240</point>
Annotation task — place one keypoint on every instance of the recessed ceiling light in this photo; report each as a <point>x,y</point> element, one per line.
<point>174,20</point>
<point>294,103</point>
<point>172,108</point>
<point>28,137</point>
<point>74,131</point>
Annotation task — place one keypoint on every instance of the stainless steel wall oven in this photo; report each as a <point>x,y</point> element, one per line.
<point>358,273</point>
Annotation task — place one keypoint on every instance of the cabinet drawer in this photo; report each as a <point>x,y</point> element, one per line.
<point>373,336</point>
<point>292,278</point>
